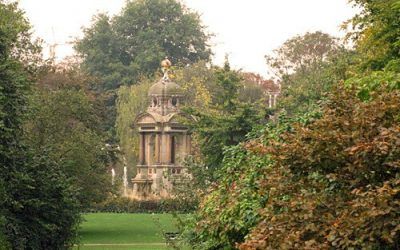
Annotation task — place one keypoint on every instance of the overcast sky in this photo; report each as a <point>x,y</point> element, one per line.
<point>246,30</point>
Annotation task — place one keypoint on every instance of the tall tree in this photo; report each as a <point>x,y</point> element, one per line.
<point>39,207</point>
<point>301,52</point>
<point>120,49</point>
<point>227,120</point>
<point>308,66</point>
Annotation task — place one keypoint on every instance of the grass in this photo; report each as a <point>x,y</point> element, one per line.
<point>125,231</point>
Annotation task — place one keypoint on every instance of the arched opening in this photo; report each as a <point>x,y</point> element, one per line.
<point>155,102</point>
<point>174,101</point>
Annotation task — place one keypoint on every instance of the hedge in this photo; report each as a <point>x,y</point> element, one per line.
<point>127,205</point>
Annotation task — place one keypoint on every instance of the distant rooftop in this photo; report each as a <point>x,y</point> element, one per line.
<point>267,84</point>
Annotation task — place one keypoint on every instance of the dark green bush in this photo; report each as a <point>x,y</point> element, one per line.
<point>127,205</point>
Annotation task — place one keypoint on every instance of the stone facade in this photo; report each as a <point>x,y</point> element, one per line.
<point>164,142</point>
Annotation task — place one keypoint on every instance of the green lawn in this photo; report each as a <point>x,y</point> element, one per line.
<point>125,231</point>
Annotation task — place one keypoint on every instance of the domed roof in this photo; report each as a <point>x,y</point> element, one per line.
<point>165,87</point>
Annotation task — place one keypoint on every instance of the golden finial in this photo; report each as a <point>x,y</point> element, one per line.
<point>165,65</point>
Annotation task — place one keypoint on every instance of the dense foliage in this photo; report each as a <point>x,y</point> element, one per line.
<point>42,209</point>
<point>230,207</point>
<point>230,210</point>
<point>334,182</point>
<point>65,122</point>
<point>218,128</point>
<point>376,33</point>
<point>325,173</point>
<point>226,120</point>
<point>39,209</point>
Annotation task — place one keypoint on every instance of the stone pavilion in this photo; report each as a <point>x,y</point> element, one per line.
<point>164,141</point>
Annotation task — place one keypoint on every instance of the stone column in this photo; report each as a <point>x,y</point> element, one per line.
<point>148,150</point>
<point>167,147</point>
<point>163,151</point>
<point>141,148</point>
<point>270,101</point>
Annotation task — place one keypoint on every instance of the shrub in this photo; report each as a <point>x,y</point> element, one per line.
<point>44,212</point>
<point>230,209</point>
<point>127,205</point>
<point>335,182</point>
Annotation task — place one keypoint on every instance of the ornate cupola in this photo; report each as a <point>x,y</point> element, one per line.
<point>164,141</point>
<point>165,97</point>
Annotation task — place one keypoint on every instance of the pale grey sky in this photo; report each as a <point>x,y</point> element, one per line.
<point>246,30</point>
